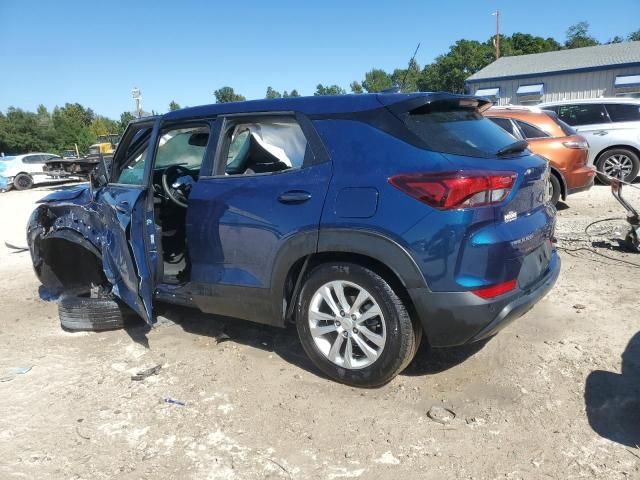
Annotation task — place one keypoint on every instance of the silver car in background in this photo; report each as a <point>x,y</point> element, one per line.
<point>612,128</point>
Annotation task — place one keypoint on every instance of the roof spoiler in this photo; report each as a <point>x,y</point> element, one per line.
<point>416,101</point>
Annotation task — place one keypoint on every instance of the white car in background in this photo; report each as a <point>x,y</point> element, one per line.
<point>612,128</point>
<point>23,171</point>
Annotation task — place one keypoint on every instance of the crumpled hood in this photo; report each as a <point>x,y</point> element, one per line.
<point>81,191</point>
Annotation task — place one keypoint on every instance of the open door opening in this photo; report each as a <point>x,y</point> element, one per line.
<point>180,153</point>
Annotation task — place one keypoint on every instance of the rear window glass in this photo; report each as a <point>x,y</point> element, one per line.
<point>531,131</point>
<point>567,129</point>
<point>584,114</point>
<point>448,127</point>
<point>623,112</point>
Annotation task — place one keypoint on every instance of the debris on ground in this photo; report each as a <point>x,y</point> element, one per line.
<point>16,248</point>
<point>579,306</point>
<point>222,337</point>
<point>146,373</point>
<point>12,373</point>
<point>174,402</point>
<point>441,415</point>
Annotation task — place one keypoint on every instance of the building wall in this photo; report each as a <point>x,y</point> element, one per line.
<point>569,86</point>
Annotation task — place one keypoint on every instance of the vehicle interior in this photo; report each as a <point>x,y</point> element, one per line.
<point>266,146</point>
<point>176,170</point>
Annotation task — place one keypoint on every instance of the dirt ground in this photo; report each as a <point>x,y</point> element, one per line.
<point>555,395</point>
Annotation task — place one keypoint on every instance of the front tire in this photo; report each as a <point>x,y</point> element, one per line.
<point>616,162</point>
<point>93,312</point>
<point>23,181</point>
<point>353,326</point>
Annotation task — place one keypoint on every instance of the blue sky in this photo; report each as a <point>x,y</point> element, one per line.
<point>53,52</point>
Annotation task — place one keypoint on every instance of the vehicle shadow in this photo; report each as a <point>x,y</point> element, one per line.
<point>429,361</point>
<point>613,400</point>
<point>284,342</point>
<point>280,341</point>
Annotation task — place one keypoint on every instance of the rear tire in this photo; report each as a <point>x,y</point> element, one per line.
<point>23,181</point>
<point>556,189</point>
<point>613,161</point>
<point>389,337</point>
<point>83,312</point>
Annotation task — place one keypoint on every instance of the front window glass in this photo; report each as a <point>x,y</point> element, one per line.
<point>449,127</point>
<point>132,166</point>
<point>506,124</point>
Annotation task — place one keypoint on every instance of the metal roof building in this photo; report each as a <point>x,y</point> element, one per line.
<point>590,72</point>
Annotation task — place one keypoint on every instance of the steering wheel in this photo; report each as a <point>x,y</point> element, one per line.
<point>178,192</point>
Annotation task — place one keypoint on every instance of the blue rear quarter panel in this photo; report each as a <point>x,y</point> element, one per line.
<point>456,250</point>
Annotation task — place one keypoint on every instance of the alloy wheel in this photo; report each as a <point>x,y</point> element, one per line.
<point>618,166</point>
<point>347,324</point>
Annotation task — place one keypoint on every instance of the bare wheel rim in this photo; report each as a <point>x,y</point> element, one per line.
<point>347,324</point>
<point>618,164</point>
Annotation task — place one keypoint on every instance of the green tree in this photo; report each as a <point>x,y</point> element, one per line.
<point>226,94</point>
<point>634,36</point>
<point>294,93</point>
<point>578,36</point>
<point>103,126</point>
<point>449,71</point>
<point>125,118</point>
<point>271,93</point>
<point>329,90</point>
<point>21,132</point>
<point>173,106</point>
<point>524,44</point>
<point>376,80</point>
<point>71,124</point>
<point>407,78</point>
<point>356,87</point>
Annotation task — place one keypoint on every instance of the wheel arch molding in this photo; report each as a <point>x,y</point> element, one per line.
<point>305,250</point>
<point>376,245</point>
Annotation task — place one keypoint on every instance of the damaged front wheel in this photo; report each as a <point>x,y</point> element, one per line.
<point>93,311</point>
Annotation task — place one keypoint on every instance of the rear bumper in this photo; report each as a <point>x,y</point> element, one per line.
<point>580,180</point>
<point>456,318</point>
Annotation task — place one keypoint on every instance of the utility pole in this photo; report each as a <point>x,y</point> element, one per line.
<point>496,41</point>
<point>137,97</point>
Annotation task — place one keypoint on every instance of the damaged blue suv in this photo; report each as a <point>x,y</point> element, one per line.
<point>367,221</point>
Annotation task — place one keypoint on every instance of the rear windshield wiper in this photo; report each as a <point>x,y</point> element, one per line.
<point>515,147</point>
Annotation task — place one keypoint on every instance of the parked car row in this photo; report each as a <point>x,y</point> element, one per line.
<point>23,171</point>
<point>555,141</point>
<point>578,137</point>
<point>612,128</point>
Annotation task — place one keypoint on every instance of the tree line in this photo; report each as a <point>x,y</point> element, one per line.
<point>449,71</point>
<point>73,124</point>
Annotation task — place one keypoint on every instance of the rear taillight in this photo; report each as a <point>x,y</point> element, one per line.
<point>579,144</point>
<point>452,190</point>
<point>495,290</point>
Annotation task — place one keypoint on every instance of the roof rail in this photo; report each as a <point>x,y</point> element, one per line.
<point>523,108</point>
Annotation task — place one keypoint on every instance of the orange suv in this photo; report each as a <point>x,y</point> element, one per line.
<point>552,139</point>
